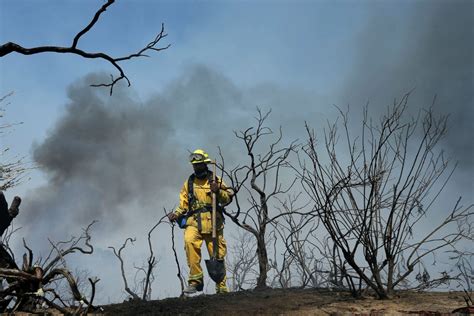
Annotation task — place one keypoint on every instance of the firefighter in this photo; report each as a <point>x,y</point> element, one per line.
<point>194,215</point>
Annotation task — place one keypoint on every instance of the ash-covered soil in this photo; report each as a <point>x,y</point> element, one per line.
<point>295,302</point>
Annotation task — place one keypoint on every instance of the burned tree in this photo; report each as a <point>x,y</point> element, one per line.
<point>35,282</point>
<point>372,196</point>
<point>11,47</point>
<point>7,260</point>
<point>7,214</point>
<point>259,181</point>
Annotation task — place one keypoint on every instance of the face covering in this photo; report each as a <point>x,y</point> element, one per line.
<point>201,174</point>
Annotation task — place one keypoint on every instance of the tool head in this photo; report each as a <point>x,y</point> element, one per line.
<point>216,269</point>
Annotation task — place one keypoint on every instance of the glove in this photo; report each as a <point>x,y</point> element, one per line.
<point>215,187</point>
<point>172,217</point>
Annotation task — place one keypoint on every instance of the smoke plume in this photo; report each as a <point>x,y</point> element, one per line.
<point>120,160</point>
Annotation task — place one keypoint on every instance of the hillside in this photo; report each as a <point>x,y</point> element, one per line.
<point>294,302</point>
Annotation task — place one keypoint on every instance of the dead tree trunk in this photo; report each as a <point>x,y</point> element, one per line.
<point>6,217</point>
<point>262,262</point>
<point>7,214</point>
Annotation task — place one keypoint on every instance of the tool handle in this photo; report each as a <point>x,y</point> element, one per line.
<point>214,207</point>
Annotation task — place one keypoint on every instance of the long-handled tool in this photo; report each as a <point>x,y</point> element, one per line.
<point>215,266</point>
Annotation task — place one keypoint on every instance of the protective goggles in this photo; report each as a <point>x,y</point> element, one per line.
<point>196,157</point>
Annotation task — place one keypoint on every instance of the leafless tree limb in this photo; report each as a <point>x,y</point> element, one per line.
<point>118,254</point>
<point>148,278</point>
<point>72,247</point>
<point>175,254</point>
<point>11,47</point>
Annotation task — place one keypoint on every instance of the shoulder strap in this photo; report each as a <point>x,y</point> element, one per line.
<point>191,197</point>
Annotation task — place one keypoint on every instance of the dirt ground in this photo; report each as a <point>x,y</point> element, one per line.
<point>295,302</point>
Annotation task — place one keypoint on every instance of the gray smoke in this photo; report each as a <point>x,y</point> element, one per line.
<point>430,51</point>
<point>103,154</point>
<point>120,161</point>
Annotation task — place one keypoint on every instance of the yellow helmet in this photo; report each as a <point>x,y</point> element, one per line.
<point>199,156</point>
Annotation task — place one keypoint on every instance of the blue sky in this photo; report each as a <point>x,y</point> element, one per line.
<point>306,44</point>
<point>297,57</point>
<point>309,44</point>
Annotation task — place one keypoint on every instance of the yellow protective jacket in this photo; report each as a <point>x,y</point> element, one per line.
<point>203,198</point>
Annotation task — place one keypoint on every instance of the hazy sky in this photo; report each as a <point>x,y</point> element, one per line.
<point>121,159</point>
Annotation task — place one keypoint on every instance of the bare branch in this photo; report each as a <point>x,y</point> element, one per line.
<point>118,254</point>
<point>11,47</point>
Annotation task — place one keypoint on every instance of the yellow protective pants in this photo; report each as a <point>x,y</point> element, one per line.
<point>192,245</point>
